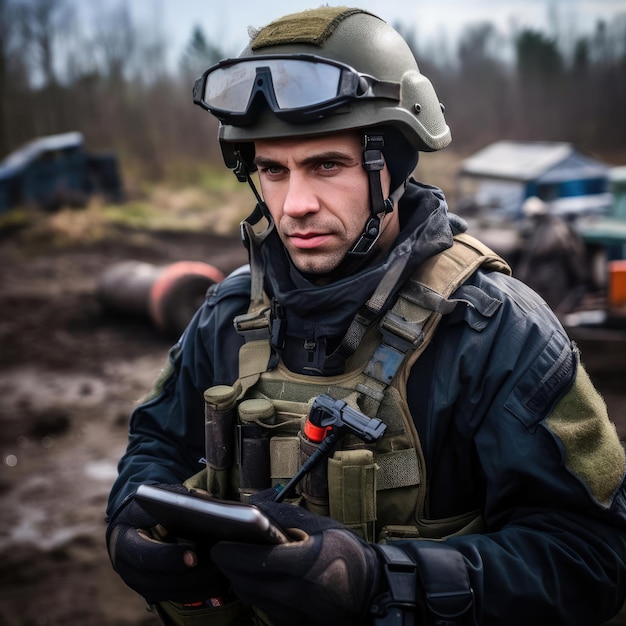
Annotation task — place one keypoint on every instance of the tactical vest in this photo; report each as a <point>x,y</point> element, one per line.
<point>254,429</point>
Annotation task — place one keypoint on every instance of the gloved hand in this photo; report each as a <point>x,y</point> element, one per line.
<point>327,576</point>
<point>160,569</point>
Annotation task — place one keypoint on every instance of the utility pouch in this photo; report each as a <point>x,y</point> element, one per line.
<point>314,485</point>
<point>219,423</point>
<point>352,491</point>
<point>254,447</point>
<point>197,481</point>
<point>177,614</point>
<point>284,454</point>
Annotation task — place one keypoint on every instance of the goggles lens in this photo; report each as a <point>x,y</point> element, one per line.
<point>295,88</point>
<point>296,84</point>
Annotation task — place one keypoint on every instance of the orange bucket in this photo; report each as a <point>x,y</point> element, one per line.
<point>617,283</point>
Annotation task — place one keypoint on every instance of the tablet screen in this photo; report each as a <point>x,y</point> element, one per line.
<point>200,517</point>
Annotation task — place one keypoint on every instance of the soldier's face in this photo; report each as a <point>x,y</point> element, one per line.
<point>317,192</point>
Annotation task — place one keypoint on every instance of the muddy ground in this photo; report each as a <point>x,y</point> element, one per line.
<point>69,376</point>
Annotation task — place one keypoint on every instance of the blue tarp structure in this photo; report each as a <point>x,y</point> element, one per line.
<point>497,179</point>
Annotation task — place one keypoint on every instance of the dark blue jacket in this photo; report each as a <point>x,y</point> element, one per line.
<point>508,423</point>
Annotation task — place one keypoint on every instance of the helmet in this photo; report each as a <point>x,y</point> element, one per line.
<point>321,71</point>
<point>366,43</point>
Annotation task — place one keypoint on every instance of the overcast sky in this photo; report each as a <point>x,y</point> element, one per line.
<point>226,21</point>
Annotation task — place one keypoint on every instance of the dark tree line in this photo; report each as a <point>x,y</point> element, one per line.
<point>546,92</point>
<point>115,86</point>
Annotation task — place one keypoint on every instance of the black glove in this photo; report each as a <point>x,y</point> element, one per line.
<point>156,568</point>
<point>327,576</point>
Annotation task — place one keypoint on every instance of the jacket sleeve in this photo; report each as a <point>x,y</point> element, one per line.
<point>550,464</point>
<point>166,435</point>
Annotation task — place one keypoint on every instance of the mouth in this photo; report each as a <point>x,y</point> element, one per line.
<point>308,240</point>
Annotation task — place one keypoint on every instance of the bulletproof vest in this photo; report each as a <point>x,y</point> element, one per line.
<point>255,430</point>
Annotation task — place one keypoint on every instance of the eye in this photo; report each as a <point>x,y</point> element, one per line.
<point>272,170</point>
<point>328,166</point>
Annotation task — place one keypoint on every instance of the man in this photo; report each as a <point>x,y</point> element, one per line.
<point>553,259</point>
<point>475,477</point>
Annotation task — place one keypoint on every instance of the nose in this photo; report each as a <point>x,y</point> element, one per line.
<point>300,198</point>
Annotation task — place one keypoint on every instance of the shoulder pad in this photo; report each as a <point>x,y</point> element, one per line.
<point>237,283</point>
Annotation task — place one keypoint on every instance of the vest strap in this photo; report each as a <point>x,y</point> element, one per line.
<point>440,573</point>
<point>370,311</point>
<point>254,357</point>
<point>409,325</point>
<point>254,325</point>
<point>397,606</point>
<point>448,594</point>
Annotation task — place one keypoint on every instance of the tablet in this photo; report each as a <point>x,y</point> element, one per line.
<point>199,517</point>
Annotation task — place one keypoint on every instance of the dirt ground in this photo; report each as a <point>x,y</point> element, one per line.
<point>69,376</point>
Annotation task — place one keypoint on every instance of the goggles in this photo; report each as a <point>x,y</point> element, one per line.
<point>297,88</point>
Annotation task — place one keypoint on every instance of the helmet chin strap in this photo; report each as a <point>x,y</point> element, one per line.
<point>373,163</point>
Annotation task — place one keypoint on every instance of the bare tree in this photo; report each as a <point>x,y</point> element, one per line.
<point>14,77</point>
<point>113,82</point>
<point>5,53</point>
<point>481,87</point>
<point>540,84</point>
<point>115,43</point>
<point>44,23</point>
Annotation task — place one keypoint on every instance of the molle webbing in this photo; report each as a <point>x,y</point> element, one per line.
<point>309,27</point>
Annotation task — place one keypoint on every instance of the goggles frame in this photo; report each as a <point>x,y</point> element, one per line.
<point>353,86</point>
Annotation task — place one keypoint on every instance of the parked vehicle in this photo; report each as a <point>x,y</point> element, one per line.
<point>605,240</point>
<point>57,170</point>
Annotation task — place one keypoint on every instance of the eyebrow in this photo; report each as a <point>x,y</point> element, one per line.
<point>320,157</point>
<point>261,162</point>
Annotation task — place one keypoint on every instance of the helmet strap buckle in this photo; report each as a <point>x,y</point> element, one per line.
<point>241,170</point>
<point>373,163</point>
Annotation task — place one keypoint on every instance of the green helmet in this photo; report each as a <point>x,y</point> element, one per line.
<point>366,43</point>
<point>326,70</point>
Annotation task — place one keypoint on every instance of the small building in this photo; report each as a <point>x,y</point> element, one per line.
<point>54,170</point>
<point>494,182</point>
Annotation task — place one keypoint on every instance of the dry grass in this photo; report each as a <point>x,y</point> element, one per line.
<point>162,208</point>
<point>217,211</point>
<point>215,203</point>
<point>69,227</point>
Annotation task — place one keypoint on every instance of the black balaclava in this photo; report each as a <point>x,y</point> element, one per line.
<point>309,320</point>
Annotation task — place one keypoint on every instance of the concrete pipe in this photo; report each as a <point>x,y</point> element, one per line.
<point>166,295</point>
